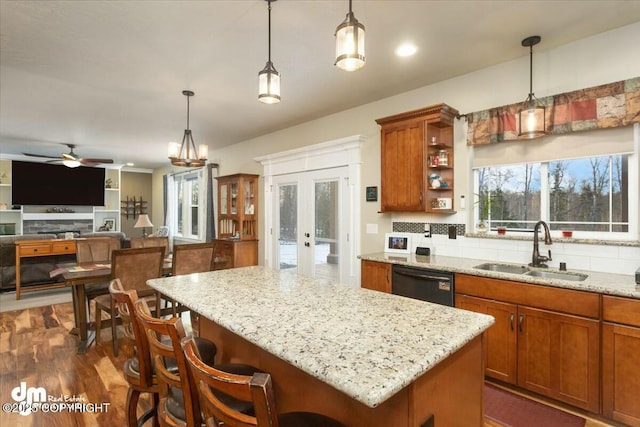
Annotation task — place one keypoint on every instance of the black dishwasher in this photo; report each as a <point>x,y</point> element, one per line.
<point>426,285</point>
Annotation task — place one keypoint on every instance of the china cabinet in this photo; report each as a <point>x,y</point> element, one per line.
<point>238,219</point>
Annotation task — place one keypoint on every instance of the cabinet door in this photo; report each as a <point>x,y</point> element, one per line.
<point>620,374</point>
<point>376,276</point>
<point>403,167</point>
<point>500,339</point>
<point>558,356</point>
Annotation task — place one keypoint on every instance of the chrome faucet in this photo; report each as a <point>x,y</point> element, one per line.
<point>538,260</point>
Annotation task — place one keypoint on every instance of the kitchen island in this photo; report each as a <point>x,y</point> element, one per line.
<point>365,358</point>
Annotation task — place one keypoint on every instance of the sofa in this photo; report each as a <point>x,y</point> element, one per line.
<point>35,270</point>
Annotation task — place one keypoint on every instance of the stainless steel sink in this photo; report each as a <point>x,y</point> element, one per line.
<point>502,268</point>
<point>577,277</point>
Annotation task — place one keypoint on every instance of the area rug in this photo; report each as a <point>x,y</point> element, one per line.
<point>511,410</point>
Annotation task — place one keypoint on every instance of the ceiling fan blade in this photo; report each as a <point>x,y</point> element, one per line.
<point>40,155</point>
<point>94,161</point>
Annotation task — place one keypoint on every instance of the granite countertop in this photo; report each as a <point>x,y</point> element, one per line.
<point>603,283</point>
<point>364,343</point>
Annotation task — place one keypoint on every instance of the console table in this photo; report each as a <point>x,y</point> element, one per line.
<point>35,248</point>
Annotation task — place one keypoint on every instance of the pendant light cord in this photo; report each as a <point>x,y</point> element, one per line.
<point>269,30</point>
<point>531,72</point>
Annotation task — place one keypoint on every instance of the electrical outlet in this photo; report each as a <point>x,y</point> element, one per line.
<point>427,230</point>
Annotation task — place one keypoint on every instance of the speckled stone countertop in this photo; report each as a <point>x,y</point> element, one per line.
<point>364,343</point>
<point>604,283</point>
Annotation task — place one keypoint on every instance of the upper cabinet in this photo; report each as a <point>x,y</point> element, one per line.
<point>418,160</point>
<point>238,206</point>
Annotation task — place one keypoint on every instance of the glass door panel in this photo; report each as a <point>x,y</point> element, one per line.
<point>287,222</point>
<point>326,257</point>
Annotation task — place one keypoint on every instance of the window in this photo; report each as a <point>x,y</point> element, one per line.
<point>583,194</point>
<point>187,190</point>
<point>591,194</point>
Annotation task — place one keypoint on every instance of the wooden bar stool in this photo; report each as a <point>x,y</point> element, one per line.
<point>138,370</point>
<point>256,388</point>
<point>179,403</point>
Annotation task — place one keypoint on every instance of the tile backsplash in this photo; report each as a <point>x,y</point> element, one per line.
<point>619,259</point>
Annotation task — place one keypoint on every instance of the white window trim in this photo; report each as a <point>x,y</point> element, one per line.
<point>330,154</point>
<point>173,205</point>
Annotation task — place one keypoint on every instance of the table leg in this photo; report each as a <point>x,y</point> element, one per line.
<point>82,322</point>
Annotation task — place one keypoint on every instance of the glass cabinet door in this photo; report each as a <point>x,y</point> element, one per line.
<point>223,198</point>
<point>234,198</point>
<point>249,208</point>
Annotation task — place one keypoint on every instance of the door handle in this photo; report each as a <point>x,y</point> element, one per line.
<point>307,235</point>
<point>520,321</point>
<point>511,321</point>
<point>307,244</point>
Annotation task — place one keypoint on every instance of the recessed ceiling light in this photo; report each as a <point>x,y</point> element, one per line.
<point>129,164</point>
<point>406,49</point>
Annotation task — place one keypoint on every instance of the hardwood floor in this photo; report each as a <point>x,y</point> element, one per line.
<point>36,348</point>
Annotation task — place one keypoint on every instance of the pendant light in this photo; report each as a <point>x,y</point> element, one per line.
<point>350,43</point>
<point>269,78</point>
<point>531,117</point>
<point>185,154</point>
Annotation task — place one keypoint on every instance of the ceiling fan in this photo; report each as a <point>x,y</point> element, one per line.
<point>71,159</point>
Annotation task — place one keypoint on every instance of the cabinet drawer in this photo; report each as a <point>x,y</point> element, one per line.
<point>569,301</point>
<point>35,250</point>
<point>621,310</point>
<point>64,247</point>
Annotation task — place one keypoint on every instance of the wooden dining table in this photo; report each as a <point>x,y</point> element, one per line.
<point>77,276</point>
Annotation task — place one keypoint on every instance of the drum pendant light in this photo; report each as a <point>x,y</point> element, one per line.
<point>531,117</point>
<point>350,43</point>
<point>185,154</point>
<point>269,78</point>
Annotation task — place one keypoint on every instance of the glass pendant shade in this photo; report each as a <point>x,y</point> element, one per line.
<point>531,120</point>
<point>185,154</point>
<point>350,44</point>
<point>269,84</point>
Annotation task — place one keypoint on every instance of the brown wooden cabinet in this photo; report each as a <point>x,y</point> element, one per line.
<point>414,146</point>
<point>621,359</point>
<point>237,243</point>
<point>375,275</point>
<point>545,339</point>
<point>500,340</point>
<point>232,253</point>
<point>238,206</point>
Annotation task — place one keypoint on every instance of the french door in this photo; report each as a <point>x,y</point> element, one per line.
<point>310,217</point>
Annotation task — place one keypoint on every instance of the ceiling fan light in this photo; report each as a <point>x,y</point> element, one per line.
<point>71,163</point>
<point>350,43</point>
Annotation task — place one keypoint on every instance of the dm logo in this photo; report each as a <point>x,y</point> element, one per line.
<point>29,395</point>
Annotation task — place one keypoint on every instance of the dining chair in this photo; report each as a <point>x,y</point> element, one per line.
<point>138,370</point>
<point>133,267</point>
<point>179,403</point>
<point>152,241</point>
<point>96,250</point>
<point>188,259</point>
<point>256,388</point>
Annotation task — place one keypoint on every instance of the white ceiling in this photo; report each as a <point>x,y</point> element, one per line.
<point>108,75</point>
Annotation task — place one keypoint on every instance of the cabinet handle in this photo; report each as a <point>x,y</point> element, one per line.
<point>511,321</point>
<point>388,278</point>
<point>520,321</point>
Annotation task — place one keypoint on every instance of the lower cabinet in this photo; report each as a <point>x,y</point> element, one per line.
<point>235,253</point>
<point>375,275</point>
<point>537,342</point>
<point>621,359</point>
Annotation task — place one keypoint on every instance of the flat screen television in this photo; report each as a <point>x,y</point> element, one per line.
<point>47,184</point>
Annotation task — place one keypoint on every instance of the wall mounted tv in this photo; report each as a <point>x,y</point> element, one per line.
<point>47,184</point>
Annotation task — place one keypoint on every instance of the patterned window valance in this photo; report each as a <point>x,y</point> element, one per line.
<point>607,106</point>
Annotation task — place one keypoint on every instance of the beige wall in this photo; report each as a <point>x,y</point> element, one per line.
<point>589,62</point>
<point>136,185</point>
